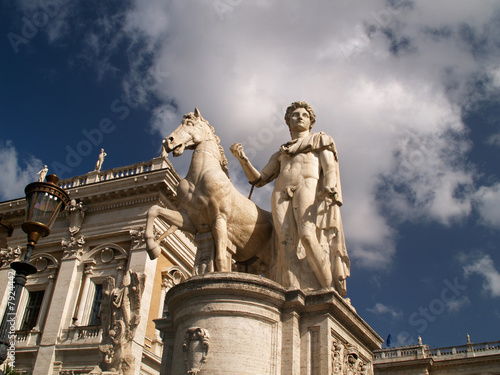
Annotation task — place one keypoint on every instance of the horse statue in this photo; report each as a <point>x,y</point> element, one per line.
<point>210,206</point>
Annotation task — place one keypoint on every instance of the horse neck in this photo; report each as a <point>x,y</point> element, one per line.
<point>206,156</point>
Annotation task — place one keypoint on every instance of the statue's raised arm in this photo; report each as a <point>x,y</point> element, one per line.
<point>306,204</point>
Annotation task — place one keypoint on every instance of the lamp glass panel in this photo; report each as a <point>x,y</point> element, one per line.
<point>43,208</point>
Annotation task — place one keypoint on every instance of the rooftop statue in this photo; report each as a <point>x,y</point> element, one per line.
<point>42,173</point>
<point>306,204</point>
<point>100,160</point>
<point>227,226</point>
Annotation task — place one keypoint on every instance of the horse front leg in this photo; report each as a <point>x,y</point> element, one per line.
<point>219,231</point>
<point>176,219</point>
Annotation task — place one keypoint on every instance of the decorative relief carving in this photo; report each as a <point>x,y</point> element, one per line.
<point>120,315</point>
<point>9,255</point>
<point>172,277</point>
<point>138,240</point>
<point>346,359</point>
<point>73,248</point>
<point>195,349</point>
<point>107,255</point>
<point>75,214</point>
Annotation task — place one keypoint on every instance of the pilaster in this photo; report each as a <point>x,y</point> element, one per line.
<point>59,311</point>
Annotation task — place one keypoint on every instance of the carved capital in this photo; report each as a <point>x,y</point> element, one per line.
<point>9,255</point>
<point>73,248</point>
<point>138,239</point>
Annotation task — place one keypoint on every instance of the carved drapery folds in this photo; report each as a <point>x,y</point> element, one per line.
<point>195,348</point>
<point>120,316</point>
<point>73,248</point>
<point>346,359</point>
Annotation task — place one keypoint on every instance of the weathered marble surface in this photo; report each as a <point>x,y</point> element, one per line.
<point>243,324</point>
<point>227,226</point>
<point>306,202</point>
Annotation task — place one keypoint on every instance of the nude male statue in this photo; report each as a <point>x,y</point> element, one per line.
<point>306,204</point>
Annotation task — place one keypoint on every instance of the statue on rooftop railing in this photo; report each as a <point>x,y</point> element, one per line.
<point>100,160</point>
<point>306,204</point>
<point>42,173</point>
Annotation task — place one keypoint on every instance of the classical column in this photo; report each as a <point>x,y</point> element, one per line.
<point>89,271</point>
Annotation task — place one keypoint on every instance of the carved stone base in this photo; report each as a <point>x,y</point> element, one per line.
<point>235,323</point>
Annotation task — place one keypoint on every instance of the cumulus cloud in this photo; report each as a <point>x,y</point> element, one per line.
<point>16,174</point>
<point>381,309</point>
<point>390,81</point>
<point>485,267</point>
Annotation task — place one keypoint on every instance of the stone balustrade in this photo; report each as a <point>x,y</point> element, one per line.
<point>423,351</point>
<point>82,335</point>
<point>114,173</point>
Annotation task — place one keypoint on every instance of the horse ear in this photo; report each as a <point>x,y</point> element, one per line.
<point>197,113</point>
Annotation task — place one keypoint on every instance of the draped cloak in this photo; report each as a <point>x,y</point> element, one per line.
<point>330,232</point>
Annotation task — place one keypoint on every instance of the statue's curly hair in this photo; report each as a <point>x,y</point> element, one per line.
<point>296,105</point>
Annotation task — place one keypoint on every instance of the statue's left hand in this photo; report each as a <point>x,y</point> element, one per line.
<point>331,193</point>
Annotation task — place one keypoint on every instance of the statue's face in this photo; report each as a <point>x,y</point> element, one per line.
<point>300,120</point>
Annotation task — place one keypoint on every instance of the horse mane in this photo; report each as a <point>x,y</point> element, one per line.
<point>223,159</point>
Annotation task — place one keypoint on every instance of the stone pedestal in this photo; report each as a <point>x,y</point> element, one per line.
<point>235,323</point>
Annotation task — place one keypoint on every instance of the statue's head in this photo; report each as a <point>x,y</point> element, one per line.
<point>296,105</point>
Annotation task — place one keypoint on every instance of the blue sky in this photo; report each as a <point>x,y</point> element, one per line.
<point>409,91</point>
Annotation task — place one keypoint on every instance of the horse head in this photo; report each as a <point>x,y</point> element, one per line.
<point>193,130</point>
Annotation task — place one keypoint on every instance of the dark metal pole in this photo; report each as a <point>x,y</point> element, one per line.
<point>17,281</point>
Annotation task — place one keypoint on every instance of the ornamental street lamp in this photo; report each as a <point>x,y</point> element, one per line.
<point>45,201</point>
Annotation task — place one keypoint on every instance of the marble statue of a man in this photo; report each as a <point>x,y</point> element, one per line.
<point>306,204</point>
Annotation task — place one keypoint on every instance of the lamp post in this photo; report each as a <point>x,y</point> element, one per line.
<point>45,201</point>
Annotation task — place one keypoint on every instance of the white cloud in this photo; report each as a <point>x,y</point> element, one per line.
<point>485,267</point>
<point>494,140</point>
<point>388,83</point>
<point>488,203</point>
<point>14,176</point>
<point>455,305</point>
<point>242,70</point>
<point>381,309</point>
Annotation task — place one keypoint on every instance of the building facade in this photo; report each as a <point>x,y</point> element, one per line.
<point>98,241</point>
<point>470,359</point>
<point>94,253</point>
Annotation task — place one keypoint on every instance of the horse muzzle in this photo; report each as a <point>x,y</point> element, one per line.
<point>175,149</point>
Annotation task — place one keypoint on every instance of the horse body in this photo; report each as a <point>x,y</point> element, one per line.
<point>209,202</point>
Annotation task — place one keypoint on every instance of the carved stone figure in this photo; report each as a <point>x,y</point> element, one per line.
<point>210,207</point>
<point>306,204</point>
<point>42,173</point>
<point>75,213</point>
<point>100,160</point>
<point>120,316</point>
